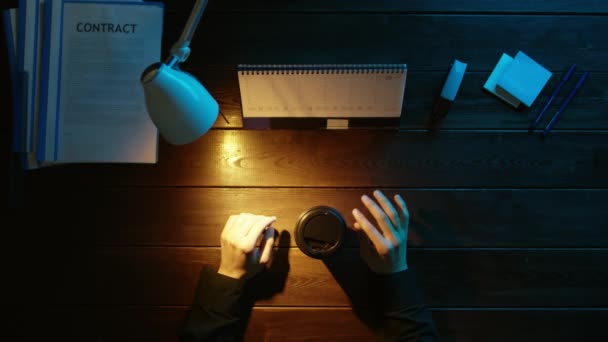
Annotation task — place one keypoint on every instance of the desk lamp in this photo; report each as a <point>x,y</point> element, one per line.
<point>178,104</point>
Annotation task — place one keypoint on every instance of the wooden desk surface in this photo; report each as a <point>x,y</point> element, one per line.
<point>509,232</point>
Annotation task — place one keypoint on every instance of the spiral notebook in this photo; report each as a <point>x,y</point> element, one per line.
<point>332,96</point>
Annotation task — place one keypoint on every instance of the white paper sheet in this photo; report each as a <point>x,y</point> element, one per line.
<point>101,114</point>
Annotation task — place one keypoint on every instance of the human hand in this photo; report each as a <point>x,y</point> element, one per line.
<point>384,248</point>
<point>241,255</point>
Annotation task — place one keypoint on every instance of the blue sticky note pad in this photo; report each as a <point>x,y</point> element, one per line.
<point>490,85</point>
<point>524,79</point>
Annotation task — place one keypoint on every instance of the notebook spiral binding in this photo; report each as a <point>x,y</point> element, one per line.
<point>315,69</point>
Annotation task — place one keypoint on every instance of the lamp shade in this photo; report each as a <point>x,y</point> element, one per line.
<point>178,104</point>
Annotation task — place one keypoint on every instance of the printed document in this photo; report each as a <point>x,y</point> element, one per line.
<point>100,109</point>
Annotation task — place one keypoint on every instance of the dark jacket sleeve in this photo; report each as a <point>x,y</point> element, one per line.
<point>217,310</point>
<point>404,314</point>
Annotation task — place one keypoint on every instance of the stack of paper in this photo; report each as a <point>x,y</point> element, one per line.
<point>517,80</point>
<point>76,69</point>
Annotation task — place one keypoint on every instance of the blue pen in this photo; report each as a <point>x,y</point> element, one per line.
<point>557,89</point>
<point>578,86</point>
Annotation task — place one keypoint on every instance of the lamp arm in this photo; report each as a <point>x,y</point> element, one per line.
<point>180,51</point>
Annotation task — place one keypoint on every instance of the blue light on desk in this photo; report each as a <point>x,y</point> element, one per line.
<point>178,104</point>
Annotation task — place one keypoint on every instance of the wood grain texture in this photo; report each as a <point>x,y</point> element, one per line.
<point>453,325</point>
<point>253,38</point>
<point>507,230</point>
<point>449,277</point>
<point>477,6</point>
<point>473,109</point>
<point>439,218</point>
<point>332,324</point>
<point>358,159</point>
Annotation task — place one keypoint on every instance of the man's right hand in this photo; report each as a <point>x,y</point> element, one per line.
<point>383,245</point>
<point>247,242</point>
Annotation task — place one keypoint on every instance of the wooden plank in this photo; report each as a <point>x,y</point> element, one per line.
<point>439,218</point>
<point>442,6</point>
<point>327,324</point>
<point>393,38</point>
<point>358,158</point>
<point>452,325</point>
<point>449,277</point>
<point>473,109</point>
